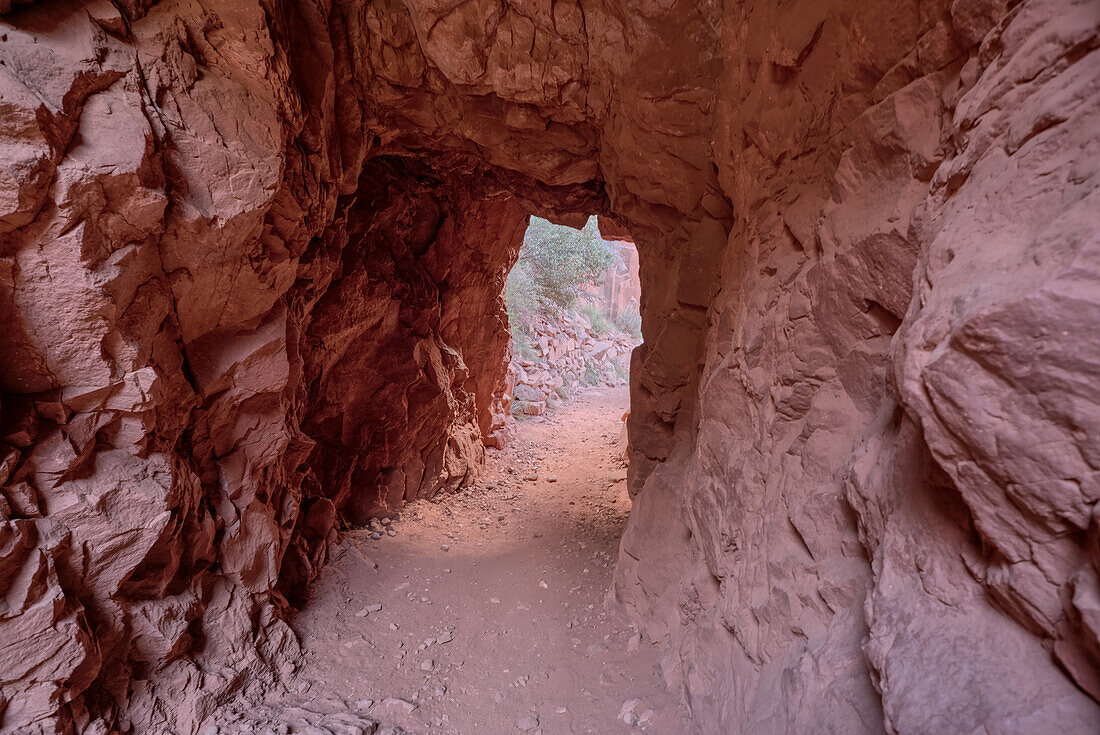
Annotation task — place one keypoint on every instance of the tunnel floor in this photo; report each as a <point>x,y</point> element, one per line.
<point>486,611</point>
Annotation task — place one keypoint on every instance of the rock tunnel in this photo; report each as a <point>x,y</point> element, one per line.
<point>251,263</point>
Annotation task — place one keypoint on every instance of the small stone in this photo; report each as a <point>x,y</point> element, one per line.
<point>391,531</point>
<point>362,557</point>
<point>445,547</point>
<point>543,584</point>
<point>368,610</point>
<point>552,478</point>
<point>494,600</point>
<point>399,704</point>
<point>427,665</point>
<point>527,724</point>
<point>633,712</point>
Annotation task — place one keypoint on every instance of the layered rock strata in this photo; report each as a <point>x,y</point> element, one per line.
<point>251,256</point>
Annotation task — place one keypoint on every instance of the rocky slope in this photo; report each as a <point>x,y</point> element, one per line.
<point>251,255</point>
<point>566,354</point>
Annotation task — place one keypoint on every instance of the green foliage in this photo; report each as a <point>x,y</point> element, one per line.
<point>630,321</point>
<point>596,318</point>
<point>619,372</point>
<point>521,297</point>
<point>553,263</point>
<point>518,406</point>
<point>522,343</point>
<point>591,375</point>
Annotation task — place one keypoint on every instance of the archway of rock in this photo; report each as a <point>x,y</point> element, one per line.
<point>511,565</point>
<point>403,343</point>
<point>242,244</point>
<point>405,352</point>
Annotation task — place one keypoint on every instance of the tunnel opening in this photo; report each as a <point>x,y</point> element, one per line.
<point>407,336</point>
<point>573,307</point>
<point>458,575</point>
<point>413,358</point>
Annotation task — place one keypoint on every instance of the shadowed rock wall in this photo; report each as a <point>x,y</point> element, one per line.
<point>251,256</point>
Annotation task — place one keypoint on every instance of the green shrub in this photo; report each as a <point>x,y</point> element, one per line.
<point>522,344</point>
<point>619,372</point>
<point>630,321</point>
<point>600,323</point>
<point>553,262</point>
<point>521,297</point>
<point>591,374</point>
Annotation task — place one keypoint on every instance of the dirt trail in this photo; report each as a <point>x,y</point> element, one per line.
<point>493,614</point>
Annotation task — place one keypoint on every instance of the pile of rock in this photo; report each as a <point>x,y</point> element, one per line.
<point>568,354</point>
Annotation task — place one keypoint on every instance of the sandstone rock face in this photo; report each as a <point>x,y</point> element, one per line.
<point>620,288</point>
<point>858,562</point>
<point>251,257</point>
<point>402,350</point>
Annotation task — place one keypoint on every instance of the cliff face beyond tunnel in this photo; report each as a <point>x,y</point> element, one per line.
<point>251,262</point>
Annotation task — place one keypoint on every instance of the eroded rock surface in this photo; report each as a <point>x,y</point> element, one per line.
<point>251,256</point>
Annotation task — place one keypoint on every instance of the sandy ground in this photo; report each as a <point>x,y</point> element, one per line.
<point>486,611</point>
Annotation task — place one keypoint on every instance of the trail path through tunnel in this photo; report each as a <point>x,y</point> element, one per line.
<point>493,612</point>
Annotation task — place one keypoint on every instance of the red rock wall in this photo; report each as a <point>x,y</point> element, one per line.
<point>868,535</point>
<point>407,337</point>
<point>250,264</point>
<point>619,287</point>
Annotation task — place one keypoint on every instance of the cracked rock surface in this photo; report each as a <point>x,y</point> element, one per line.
<point>251,257</point>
